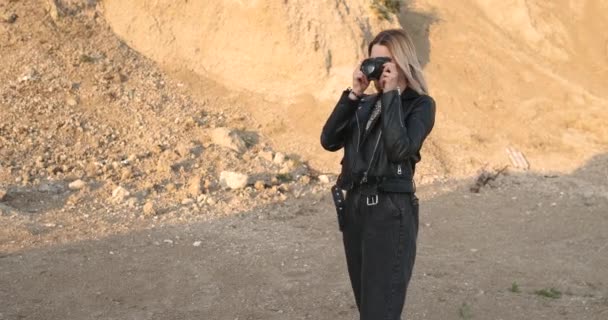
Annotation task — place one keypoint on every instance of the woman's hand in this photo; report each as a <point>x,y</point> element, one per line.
<point>360,82</point>
<point>389,80</point>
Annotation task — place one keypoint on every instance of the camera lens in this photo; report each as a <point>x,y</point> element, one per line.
<point>369,69</point>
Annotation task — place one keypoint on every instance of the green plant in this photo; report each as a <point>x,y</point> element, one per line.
<point>385,8</point>
<point>465,311</point>
<point>514,287</point>
<point>284,177</point>
<point>551,293</point>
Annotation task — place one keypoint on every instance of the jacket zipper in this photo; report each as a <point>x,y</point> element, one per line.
<point>358,131</point>
<point>371,161</point>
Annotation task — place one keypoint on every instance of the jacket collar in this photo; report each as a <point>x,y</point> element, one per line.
<point>368,102</point>
<point>409,94</point>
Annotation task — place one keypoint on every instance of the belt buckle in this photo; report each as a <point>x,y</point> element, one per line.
<point>372,200</point>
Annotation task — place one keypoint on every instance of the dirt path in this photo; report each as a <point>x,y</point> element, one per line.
<point>285,261</point>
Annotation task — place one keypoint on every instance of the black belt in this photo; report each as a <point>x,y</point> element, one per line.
<point>375,184</point>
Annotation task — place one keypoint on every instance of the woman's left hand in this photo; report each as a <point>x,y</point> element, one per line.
<point>390,77</point>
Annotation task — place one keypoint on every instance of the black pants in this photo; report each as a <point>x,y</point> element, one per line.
<point>380,247</point>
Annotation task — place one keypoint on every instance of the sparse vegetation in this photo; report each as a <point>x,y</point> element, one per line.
<point>551,293</point>
<point>284,177</point>
<point>465,311</point>
<point>514,287</point>
<point>385,8</point>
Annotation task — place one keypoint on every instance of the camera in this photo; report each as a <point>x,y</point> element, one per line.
<point>372,67</point>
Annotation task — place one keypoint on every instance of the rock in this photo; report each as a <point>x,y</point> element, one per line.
<point>259,185</point>
<point>187,201</point>
<point>588,198</point>
<point>149,209</point>
<point>274,181</point>
<point>77,185</point>
<point>71,102</point>
<point>233,180</point>
<point>194,186</point>
<point>305,179</point>
<point>197,243</point>
<point>201,198</point>
<point>324,179</point>
<point>5,210</point>
<point>170,187</point>
<point>229,139</point>
<point>30,75</point>
<point>3,193</point>
<point>266,155</point>
<point>279,158</point>
<point>183,149</point>
<point>208,184</point>
<point>126,174</point>
<point>91,170</point>
<point>12,18</point>
<point>168,241</point>
<point>132,202</point>
<point>120,194</point>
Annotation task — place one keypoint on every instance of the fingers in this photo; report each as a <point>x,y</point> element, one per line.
<point>390,67</point>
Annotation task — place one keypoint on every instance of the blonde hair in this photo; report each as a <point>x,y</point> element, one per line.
<point>402,48</point>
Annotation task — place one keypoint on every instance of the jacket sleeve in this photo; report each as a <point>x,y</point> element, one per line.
<point>403,137</point>
<point>336,128</point>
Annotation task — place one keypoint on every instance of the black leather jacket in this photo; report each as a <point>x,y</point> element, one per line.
<point>386,155</point>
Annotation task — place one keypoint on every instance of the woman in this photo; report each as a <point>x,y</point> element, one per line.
<point>381,135</point>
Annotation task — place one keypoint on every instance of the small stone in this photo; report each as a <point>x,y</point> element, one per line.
<point>266,155</point>
<point>187,201</point>
<point>279,158</point>
<point>120,194</point>
<point>588,198</point>
<point>126,174</point>
<point>170,187</point>
<point>324,179</point>
<point>30,75</point>
<point>233,180</point>
<point>305,180</point>
<point>132,202</point>
<point>3,193</point>
<point>197,243</point>
<point>72,102</point>
<point>183,149</point>
<point>91,170</point>
<point>168,241</point>
<point>149,209</point>
<point>259,185</point>
<point>12,18</point>
<point>274,181</point>
<point>194,186</point>
<point>77,185</point>
<point>5,210</point>
<point>229,139</point>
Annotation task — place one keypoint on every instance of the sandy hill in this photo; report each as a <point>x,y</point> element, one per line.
<point>531,75</point>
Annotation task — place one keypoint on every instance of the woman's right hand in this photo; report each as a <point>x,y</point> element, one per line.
<point>360,82</point>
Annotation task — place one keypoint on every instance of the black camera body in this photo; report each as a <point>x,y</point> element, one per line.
<point>372,67</point>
